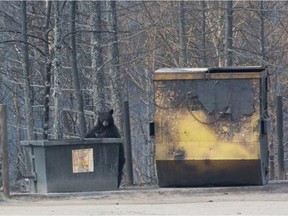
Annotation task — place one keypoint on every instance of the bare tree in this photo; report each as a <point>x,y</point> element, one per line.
<point>48,72</point>
<point>203,33</point>
<point>76,80</point>
<point>182,36</point>
<point>27,75</point>
<point>98,77</point>
<point>57,93</point>
<point>262,31</point>
<point>114,72</point>
<point>229,33</point>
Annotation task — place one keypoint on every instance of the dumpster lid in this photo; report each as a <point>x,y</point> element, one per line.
<point>61,142</point>
<point>236,69</point>
<point>247,72</point>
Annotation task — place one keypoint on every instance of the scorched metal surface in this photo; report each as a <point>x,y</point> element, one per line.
<point>211,126</point>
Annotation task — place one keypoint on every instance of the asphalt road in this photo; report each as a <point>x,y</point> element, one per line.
<point>271,199</point>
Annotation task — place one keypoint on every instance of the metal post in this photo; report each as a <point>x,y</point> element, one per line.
<point>4,145</point>
<point>127,143</point>
<point>279,119</point>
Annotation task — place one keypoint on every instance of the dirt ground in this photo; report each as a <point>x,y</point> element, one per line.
<point>271,199</point>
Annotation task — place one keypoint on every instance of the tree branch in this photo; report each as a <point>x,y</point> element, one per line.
<point>21,41</point>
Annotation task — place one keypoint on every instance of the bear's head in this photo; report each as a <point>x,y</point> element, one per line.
<point>105,119</point>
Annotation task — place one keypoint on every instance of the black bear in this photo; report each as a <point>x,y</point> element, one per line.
<point>105,128</point>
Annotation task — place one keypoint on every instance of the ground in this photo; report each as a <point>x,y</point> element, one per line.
<point>271,199</point>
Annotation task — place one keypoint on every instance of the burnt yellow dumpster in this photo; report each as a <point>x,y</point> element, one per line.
<point>211,126</point>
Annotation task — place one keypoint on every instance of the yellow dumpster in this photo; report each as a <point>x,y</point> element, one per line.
<point>211,126</point>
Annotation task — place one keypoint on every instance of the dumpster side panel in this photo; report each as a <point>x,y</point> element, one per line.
<point>223,125</point>
<point>40,169</point>
<point>63,177</point>
<point>208,131</point>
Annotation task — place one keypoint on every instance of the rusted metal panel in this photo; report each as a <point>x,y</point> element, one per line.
<point>209,73</point>
<point>187,76</point>
<point>216,119</point>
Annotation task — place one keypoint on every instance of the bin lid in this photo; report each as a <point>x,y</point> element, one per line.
<point>247,72</point>
<point>62,142</point>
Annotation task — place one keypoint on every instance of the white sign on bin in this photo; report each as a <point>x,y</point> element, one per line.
<point>82,160</point>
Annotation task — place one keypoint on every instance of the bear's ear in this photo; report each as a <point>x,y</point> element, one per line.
<point>111,112</point>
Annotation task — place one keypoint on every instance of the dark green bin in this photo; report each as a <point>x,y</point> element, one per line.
<point>72,165</point>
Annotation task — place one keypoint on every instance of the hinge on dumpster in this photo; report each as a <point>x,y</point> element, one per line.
<point>33,176</point>
<point>152,129</point>
<point>265,125</point>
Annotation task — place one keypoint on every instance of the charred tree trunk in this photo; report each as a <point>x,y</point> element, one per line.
<point>97,57</point>
<point>76,82</point>
<point>48,73</point>
<point>27,75</point>
<point>116,81</point>
<point>203,40</point>
<point>57,94</point>
<point>229,33</point>
<point>262,32</point>
<point>182,36</point>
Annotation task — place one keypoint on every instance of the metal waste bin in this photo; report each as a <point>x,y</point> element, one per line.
<point>72,165</point>
<point>211,126</point>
